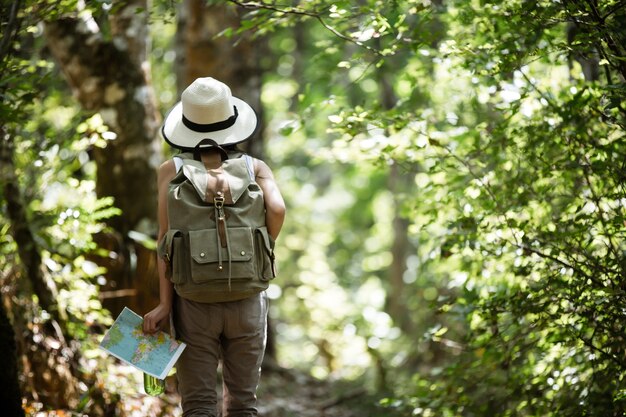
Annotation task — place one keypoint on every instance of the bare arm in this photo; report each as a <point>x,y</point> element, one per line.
<point>156,318</point>
<point>274,203</point>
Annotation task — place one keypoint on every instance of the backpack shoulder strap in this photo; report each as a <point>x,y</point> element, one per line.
<point>250,165</point>
<point>178,162</point>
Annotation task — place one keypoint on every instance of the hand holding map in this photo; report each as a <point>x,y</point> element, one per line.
<point>154,354</point>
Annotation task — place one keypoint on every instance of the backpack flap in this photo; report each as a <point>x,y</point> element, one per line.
<point>196,173</point>
<point>235,171</point>
<point>238,177</point>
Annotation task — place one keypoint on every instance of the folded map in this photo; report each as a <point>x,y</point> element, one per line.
<point>153,354</point>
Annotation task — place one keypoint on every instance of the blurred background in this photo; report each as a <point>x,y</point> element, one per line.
<point>454,176</point>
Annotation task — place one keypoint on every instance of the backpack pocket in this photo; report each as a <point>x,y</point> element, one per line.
<point>265,254</point>
<point>172,251</point>
<point>212,263</point>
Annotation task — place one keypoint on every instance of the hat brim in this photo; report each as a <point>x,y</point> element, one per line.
<point>179,136</point>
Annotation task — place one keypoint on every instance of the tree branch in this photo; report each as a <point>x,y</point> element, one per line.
<point>616,7</point>
<point>501,212</point>
<point>606,35</point>
<point>560,262</point>
<point>12,26</point>
<point>301,12</point>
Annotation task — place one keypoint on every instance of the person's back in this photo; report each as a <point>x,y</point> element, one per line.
<point>233,330</point>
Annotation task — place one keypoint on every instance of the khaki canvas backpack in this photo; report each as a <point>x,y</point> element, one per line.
<point>217,247</point>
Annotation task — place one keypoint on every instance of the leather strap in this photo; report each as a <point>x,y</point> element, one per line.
<point>208,143</point>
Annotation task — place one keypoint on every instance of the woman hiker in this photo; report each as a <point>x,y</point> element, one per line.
<point>216,312</point>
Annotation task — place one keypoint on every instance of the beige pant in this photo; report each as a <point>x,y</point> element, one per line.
<point>234,330</point>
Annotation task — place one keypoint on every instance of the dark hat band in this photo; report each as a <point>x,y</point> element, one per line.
<point>212,127</point>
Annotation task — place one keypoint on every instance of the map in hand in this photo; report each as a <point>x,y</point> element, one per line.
<point>153,354</point>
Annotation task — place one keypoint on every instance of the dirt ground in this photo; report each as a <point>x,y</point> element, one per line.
<point>282,393</point>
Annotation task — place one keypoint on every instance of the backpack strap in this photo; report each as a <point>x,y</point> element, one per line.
<point>208,143</point>
<point>250,165</point>
<point>178,163</point>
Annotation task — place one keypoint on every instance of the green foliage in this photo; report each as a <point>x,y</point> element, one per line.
<point>493,129</point>
<point>46,140</point>
<point>509,118</point>
<point>58,186</point>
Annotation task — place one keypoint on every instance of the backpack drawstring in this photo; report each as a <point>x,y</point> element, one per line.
<point>229,256</point>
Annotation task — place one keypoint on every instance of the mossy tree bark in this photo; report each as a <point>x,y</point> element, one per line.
<point>110,74</point>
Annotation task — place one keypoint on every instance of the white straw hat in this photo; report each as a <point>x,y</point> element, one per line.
<point>208,110</point>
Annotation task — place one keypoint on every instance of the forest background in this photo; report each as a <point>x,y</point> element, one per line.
<point>454,173</point>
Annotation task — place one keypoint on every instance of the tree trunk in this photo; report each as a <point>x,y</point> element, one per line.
<point>235,62</point>
<point>10,394</point>
<point>399,183</point>
<point>109,77</point>
<point>112,77</point>
<point>400,249</point>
